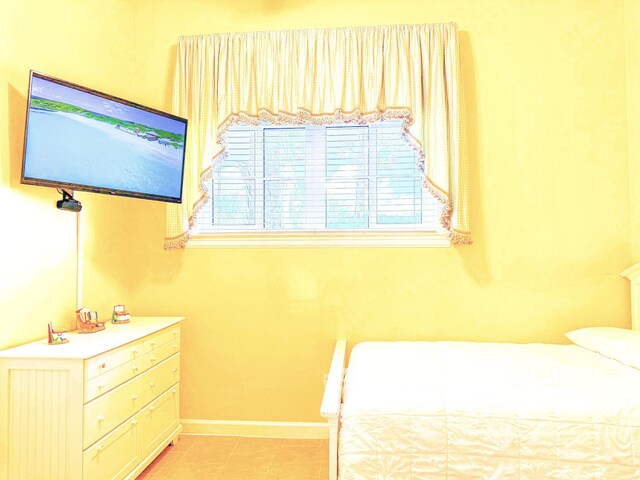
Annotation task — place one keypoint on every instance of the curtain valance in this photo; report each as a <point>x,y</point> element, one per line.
<point>410,72</point>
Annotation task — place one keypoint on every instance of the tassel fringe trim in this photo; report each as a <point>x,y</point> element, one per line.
<point>303,117</point>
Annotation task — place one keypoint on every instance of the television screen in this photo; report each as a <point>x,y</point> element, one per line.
<point>80,139</point>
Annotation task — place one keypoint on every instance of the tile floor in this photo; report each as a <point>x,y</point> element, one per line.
<point>205,457</point>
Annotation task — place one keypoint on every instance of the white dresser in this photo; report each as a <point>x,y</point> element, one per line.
<point>102,406</point>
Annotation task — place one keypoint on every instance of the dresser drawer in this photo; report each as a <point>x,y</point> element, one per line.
<point>107,361</point>
<point>108,381</point>
<point>157,355</point>
<point>157,419</point>
<point>160,378</point>
<point>102,384</point>
<point>152,342</point>
<point>108,411</point>
<point>114,455</point>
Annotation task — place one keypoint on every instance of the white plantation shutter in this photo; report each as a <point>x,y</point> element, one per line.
<point>336,178</point>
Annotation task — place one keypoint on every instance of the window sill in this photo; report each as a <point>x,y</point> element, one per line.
<point>322,240</point>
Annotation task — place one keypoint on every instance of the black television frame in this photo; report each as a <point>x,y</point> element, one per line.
<point>91,188</point>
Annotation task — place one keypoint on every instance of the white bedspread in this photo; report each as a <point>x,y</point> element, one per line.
<point>458,410</point>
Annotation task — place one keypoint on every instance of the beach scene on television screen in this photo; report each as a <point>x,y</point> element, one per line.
<point>80,138</point>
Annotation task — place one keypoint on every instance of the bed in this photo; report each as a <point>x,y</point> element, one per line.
<point>463,410</point>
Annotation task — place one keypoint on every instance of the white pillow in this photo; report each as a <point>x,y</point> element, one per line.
<point>618,344</point>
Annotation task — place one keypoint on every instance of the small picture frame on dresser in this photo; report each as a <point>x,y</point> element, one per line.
<point>120,315</point>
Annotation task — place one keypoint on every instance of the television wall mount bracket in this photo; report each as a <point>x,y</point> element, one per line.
<point>68,202</point>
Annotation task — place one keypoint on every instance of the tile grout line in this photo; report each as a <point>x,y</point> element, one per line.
<point>273,461</point>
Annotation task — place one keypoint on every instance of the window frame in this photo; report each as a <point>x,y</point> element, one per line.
<point>384,235</point>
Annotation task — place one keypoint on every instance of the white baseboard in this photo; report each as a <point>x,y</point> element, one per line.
<point>318,430</point>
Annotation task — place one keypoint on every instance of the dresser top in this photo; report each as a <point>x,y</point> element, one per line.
<point>88,345</point>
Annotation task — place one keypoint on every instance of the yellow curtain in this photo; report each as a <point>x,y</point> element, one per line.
<point>358,75</point>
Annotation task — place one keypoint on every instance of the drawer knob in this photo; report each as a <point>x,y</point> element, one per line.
<point>152,409</point>
<point>134,368</point>
<point>152,385</point>
<point>174,370</point>
<point>100,418</point>
<point>175,333</point>
<point>103,365</point>
<point>100,448</point>
<point>135,351</point>
<point>100,387</point>
<point>153,359</point>
<point>134,422</point>
<point>175,345</point>
<point>152,342</point>
<point>134,397</point>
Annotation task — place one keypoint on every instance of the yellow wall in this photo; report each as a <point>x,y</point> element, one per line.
<point>550,192</point>
<point>37,241</point>
<point>547,95</point>
<point>632,56</point>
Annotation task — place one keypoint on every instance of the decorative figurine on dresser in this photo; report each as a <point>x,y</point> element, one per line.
<point>120,315</point>
<point>88,321</point>
<point>56,337</point>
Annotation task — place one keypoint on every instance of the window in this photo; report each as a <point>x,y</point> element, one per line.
<point>338,179</point>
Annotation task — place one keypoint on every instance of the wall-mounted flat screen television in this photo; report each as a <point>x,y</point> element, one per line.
<point>79,139</point>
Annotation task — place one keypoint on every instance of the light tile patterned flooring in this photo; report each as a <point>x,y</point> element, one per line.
<point>205,457</point>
